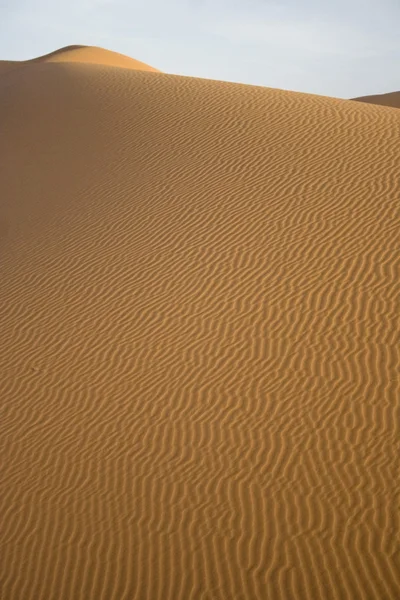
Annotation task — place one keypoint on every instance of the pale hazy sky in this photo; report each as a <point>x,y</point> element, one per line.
<point>342,48</point>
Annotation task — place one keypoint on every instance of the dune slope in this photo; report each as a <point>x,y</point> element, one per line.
<point>82,55</point>
<point>392,99</point>
<point>200,340</point>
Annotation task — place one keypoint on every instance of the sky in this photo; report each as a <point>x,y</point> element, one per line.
<point>342,48</point>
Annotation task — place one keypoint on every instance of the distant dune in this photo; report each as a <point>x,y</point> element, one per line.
<point>199,358</point>
<point>83,55</point>
<point>392,99</point>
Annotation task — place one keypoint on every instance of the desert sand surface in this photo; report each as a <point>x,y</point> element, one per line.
<point>392,99</point>
<point>83,55</point>
<point>200,328</point>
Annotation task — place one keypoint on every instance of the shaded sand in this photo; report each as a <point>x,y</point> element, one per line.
<point>392,99</point>
<point>200,340</point>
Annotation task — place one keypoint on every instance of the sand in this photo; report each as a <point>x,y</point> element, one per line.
<point>82,55</point>
<point>392,99</point>
<point>200,339</point>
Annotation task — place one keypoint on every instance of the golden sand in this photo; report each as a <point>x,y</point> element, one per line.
<point>199,359</point>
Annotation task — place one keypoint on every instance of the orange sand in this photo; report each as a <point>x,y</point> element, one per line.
<point>82,55</point>
<point>200,338</point>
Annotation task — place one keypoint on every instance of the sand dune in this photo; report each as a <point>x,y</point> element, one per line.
<point>83,55</point>
<point>8,65</point>
<point>392,99</point>
<point>200,339</point>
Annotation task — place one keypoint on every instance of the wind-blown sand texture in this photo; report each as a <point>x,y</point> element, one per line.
<point>199,350</point>
<point>392,99</point>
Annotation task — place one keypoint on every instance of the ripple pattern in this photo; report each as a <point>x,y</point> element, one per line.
<point>200,333</point>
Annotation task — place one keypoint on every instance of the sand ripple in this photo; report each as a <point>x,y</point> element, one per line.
<point>200,340</point>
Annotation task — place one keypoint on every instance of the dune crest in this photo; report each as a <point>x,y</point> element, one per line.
<point>199,358</point>
<point>84,55</point>
<point>391,99</point>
